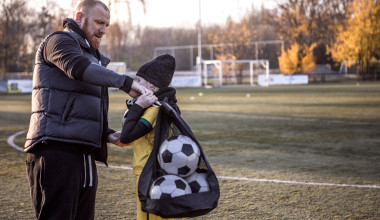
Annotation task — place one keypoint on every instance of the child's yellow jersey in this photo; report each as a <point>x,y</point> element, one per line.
<point>144,145</point>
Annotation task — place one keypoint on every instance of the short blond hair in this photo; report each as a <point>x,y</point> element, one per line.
<point>86,5</point>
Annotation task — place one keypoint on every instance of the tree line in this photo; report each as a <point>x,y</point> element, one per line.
<point>313,32</point>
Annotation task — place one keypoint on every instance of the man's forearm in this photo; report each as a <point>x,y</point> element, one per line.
<point>98,75</point>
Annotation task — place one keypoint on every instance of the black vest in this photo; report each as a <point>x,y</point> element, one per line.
<point>65,109</point>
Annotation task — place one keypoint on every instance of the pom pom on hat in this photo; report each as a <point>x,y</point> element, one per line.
<point>158,71</point>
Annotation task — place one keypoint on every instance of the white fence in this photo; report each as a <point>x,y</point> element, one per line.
<point>280,79</point>
<point>179,80</point>
<point>16,86</point>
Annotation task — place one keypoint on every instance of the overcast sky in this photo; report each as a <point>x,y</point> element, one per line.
<point>185,13</point>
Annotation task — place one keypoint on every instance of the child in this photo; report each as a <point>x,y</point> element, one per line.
<point>140,121</point>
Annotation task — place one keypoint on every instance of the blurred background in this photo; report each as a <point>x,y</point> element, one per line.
<point>280,152</point>
<point>323,39</point>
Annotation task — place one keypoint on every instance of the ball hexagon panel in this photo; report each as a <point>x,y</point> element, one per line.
<point>169,186</point>
<point>198,182</point>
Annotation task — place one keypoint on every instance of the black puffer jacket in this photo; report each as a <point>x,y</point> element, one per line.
<point>70,92</point>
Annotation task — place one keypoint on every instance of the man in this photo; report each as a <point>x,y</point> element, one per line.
<point>68,127</point>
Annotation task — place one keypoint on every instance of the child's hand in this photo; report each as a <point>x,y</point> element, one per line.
<point>146,100</point>
<point>114,138</point>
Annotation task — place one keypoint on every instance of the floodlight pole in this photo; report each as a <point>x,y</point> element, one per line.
<point>199,60</point>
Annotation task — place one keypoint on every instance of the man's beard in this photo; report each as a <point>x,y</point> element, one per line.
<point>89,36</point>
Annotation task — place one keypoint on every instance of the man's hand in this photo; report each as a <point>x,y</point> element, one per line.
<point>114,138</point>
<point>137,89</point>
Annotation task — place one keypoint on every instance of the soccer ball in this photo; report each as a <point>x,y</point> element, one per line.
<point>129,104</point>
<point>179,155</point>
<point>198,182</point>
<point>124,117</point>
<point>169,186</point>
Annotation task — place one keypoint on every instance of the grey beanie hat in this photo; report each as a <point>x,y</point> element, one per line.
<point>158,71</point>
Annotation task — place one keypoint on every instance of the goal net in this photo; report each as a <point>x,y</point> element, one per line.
<point>217,73</point>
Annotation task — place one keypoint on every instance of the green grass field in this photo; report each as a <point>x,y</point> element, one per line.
<point>326,133</point>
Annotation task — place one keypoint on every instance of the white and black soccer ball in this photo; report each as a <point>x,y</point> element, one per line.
<point>123,119</point>
<point>129,104</point>
<point>179,155</point>
<point>198,182</point>
<point>169,186</point>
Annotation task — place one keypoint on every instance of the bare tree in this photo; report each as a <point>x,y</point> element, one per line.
<point>12,34</point>
<point>141,49</point>
<point>119,31</point>
<point>114,40</point>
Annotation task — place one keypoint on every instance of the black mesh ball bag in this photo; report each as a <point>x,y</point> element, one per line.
<point>169,123</point>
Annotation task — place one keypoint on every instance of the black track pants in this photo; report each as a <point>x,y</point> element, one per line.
<point>62,184</point>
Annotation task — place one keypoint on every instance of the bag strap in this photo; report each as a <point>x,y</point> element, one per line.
<point>177,119</point>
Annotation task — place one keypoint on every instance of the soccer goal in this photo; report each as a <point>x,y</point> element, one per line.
<point>234,71</point>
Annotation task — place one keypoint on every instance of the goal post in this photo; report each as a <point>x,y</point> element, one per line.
<point>218,64</point>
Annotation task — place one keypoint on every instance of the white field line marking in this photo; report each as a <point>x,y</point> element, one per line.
<point>296,182</point>
<point>284,118</point>
<point>115,167</point>
<point>12,137</point>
